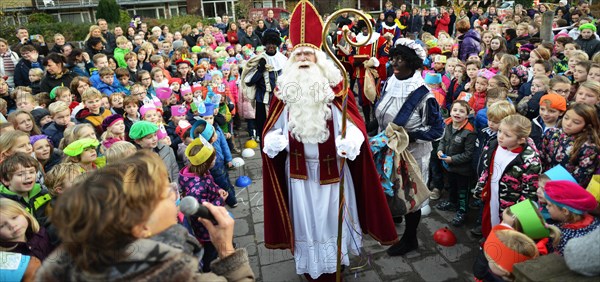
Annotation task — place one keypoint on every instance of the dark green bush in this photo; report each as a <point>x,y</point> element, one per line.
<point>108,10</point>
<point>77,32</point>
<point>41,19</point>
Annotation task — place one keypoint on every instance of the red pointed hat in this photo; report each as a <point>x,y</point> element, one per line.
<point>306,26</point>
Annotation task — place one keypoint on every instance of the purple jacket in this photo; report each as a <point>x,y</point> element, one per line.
<point>37,245</point>
<point>204,189</point>
<point>470,43</point>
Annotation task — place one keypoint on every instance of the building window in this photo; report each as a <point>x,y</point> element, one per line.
<point>174,11</point>
<point>182,11</point>
<point>217,8</point>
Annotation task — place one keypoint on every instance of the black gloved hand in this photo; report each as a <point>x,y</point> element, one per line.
<point>261,65</point>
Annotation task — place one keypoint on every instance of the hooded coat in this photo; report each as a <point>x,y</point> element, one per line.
<point>469,43</point>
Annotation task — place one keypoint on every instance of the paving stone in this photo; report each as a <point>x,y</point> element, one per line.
<point>256,200</point>
<point>248,243</point>
<point>369,275</point>
<point>259,232</point>
<point>454,253</point>
<point>255,265</point>
<point>241,227</point>
<point>241,211</point>
<point>282,271</point>
<point>434,268</point>
<point>268,256</point>
<point>258,216</point>
<point>390,267</point>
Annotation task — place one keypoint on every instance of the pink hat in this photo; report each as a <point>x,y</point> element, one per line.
<point>486,73</point>
<point>162,132</point>
<point>185,89</point>
<point>569,195</point>
<point>147,107</point>
<point>178,110</point>
<point>163,93</point>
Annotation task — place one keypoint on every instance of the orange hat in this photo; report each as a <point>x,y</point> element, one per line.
<point>555,101</point>
<point>500,253</point>
<point>305,20</point>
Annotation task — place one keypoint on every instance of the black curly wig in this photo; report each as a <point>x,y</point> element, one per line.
<point>408,55</point>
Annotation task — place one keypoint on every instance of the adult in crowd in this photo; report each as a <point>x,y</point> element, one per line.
<point>415,24</point>
<point>232,34</point>
<point>260,28</point>
<point>8,61</point>
<point>301,138</point>
<point>442,21</point>
<point>30,58</point>
<point>429,21</point>
<point>270,21</point>
<point>101,250</point>
<point>111,41</point>
<point>249,37</point>
<point>79,62</point>
<point>468,39</point>
<point>23,39</point>
<point>407,103</point>
<point>188,35</point>
<point>57,73</point>
<point>95,43</point>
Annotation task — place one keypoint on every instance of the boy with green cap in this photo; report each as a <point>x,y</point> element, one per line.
<point>587,39</point>
<point>144,135</point>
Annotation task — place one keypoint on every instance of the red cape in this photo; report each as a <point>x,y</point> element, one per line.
<point>374,215</point>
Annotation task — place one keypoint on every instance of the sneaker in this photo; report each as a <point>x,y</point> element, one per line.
<point>435,194</point>
<point>476,231</point>
<point>459,219</point>
<point>446,206</point>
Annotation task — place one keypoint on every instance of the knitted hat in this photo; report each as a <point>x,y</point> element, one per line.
<point>141,129</point>
<point>434,50</point>
<point>559,173</point>
<point>38,114</point>
<point>210,110</point>
<point>520,71</point>
<point>527,47</point>
<point>196,87</point>
<point>182,126</point>
<point>196,49</point>
<point>569,195</point>
<point>208,132</point>
<point>110,120</point>
<point>147,107</point>
<point>588,26</point>
<point>76,148</point>
<point>174,79</point>
<point>555,101</point>
<point>433,78</point>
<point>177,44</point>
<point>35,138</point>
<point>203,155</point>
<point>178,110</point>
<point>163,93</point>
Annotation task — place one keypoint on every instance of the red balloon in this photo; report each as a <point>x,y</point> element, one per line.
<point>444,237</point>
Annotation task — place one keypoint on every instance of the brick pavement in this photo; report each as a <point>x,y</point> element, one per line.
<point>430,262</point>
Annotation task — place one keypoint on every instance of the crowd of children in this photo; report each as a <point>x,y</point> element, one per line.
<point>522,131</point>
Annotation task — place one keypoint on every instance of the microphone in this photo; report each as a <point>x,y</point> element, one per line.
<point>190,207</point>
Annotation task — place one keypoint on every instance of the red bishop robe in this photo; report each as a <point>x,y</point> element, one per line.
<point>374,215</point>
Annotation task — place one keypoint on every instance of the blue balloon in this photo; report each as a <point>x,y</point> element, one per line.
<point>243,181</point>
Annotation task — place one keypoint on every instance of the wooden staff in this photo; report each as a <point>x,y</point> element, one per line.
<point>337,62</point>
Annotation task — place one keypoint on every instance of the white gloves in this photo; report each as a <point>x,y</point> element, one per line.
<point>274,143</point>
<point>346,148</point>
<point>371,62</point>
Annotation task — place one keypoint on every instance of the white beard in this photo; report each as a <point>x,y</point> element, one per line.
<point>308,95</point>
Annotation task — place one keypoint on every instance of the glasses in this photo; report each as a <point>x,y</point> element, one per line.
<point>559,91</point>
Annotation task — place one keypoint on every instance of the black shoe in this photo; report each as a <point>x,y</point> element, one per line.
<point>446,206</point>
<point>402,247</point>
<point>398,219</point>
<point>476,231</point>
<point>459,219</point>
